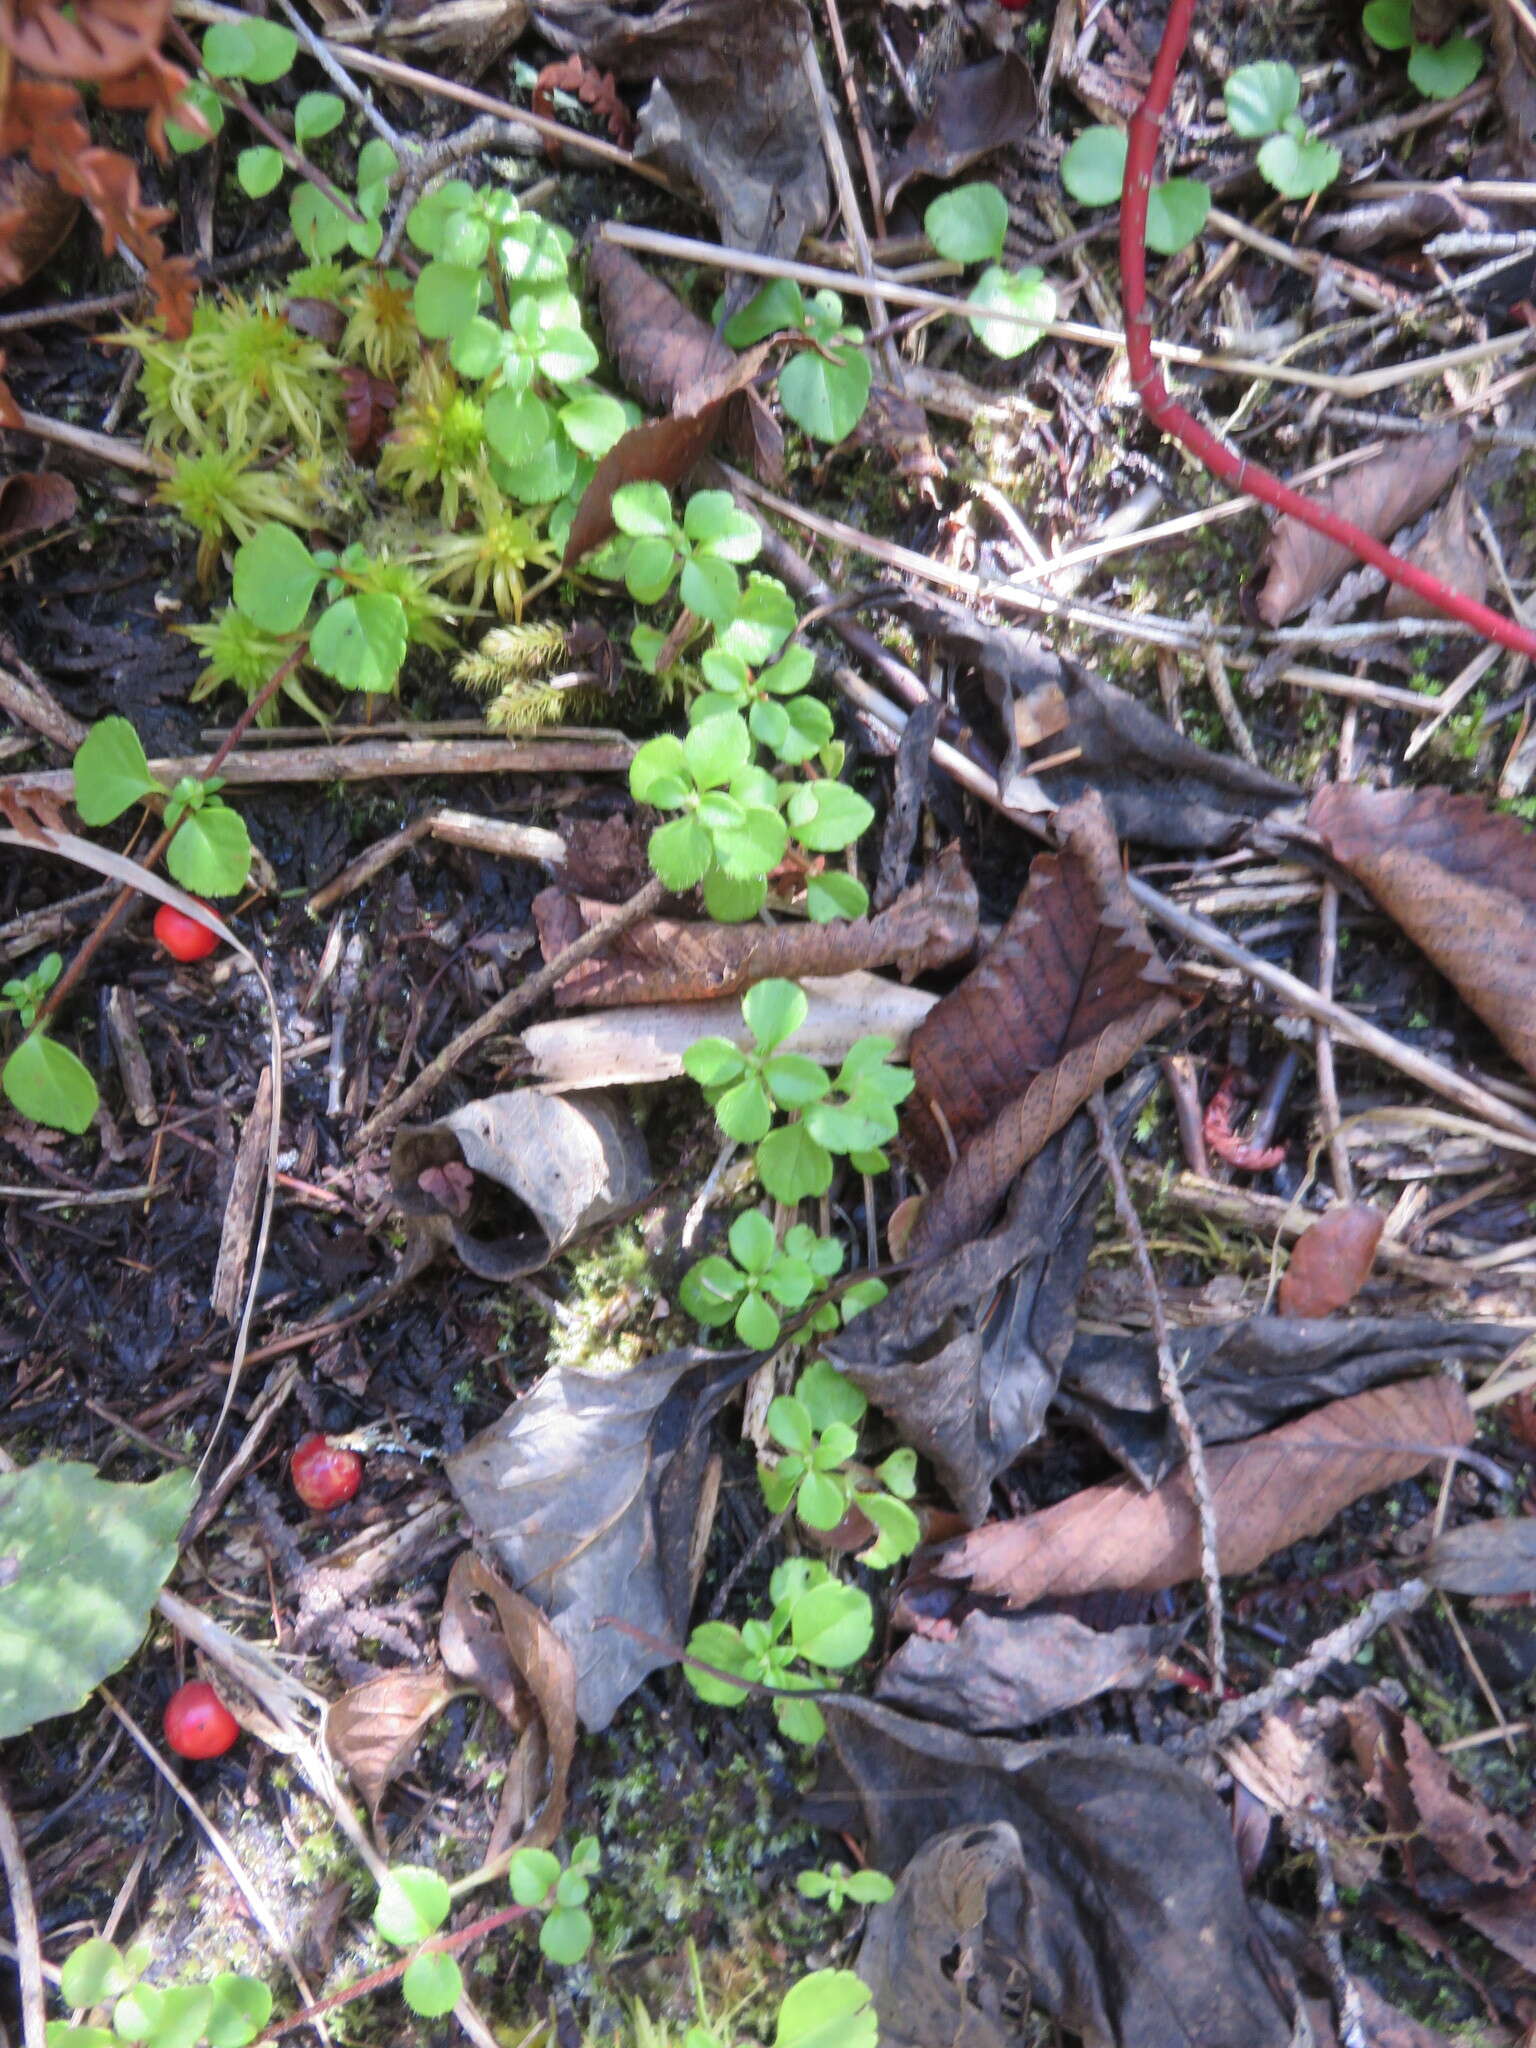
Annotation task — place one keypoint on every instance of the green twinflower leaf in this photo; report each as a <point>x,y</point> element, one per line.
<point>47,1083</point>
<point>258,51</point>
<point>432,1985</point>
<point>532,1875</point>
<point>316,114</point>
<point>967,224</point>
<point>1093,169</point>
<point>111,772</point>
<point>211,852</point>
<point>259,170</point>
<point>1000,292</point>
<point>774,1010</point>
<point>832,1625</point>
<point>413,1903</point>
<point>360,641</point>
<point>1261,97</point>
<point>1442,70</point>
<point>825,395</point>
<point>275,579</point>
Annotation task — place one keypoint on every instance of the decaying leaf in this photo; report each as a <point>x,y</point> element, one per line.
<point>595,89</point>
<point>963,1356</point>
<point>94,39</point>
<point>587,1491</point>
<point>466,35</point>
<point>1495,1559</point>
<point>668,960</point>
<point>370,401</point>
<point>33,501</point>
<point>1516,85</point>
<point>1331,1260</point>
<point>505,1646</point>
<point>1241,1378</point>
<point>1268,1493</point>
<point>1390,491</point>
<point>1000,1673</point>
<point>977,109</point>
<point>1460,880</point>
<point>1446,549</point>
<point>1072,988</point>
<point>374,1729</point>
<point>660,349</point>
<point>36,216</point>
<point>546,1168</point>
<point>1160,788</point>
<point>1104,1875</point>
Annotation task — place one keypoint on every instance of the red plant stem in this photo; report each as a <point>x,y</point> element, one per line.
<point>103,928</point>
<point>440,1944</point>
<point>1222,461</point>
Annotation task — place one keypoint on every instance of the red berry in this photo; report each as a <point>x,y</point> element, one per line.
<point>325,1475</point>
<point>197,1722</point>
<point>183,937</point>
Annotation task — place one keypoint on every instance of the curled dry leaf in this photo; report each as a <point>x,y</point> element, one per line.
<point>1460,880</point>
<point>1331,1261</point>
<point>1068,993</point>
<point>374,1728</point>
<point>370,401</point>
<point>94,39</point>
<point>1395,488</point>
<point>34,501</point>
<point>669,960</point>
<point>977,109</point>
<point>36,215</point>
<point>1268,1493</point>
<point>661,350</point>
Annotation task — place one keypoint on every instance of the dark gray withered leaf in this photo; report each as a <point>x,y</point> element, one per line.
<point>1242,1378</point>
<point>977,109</point>
<point>944,1957</point>
<point>1003,1672</point>
<point>1496,1558</point>
<point>1161,789</point>
<point>963,1356</point>
<point>1128,1922</point>
<point>586,1490</point>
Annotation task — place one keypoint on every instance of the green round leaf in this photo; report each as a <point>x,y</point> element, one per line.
<point>94,1972</point>
<point>642,509</point>
<point>255,50</point>
<point>203,100</point>
<point>1389,23</point>
<point>275,579</point>
<point>1298,168</point>
<point>259,170</point>
<point>778,305</point>
<point>792,1166</point>
<point>593,420</point>
<point>535,251</point>
<point>516,425</point>
<point>1093,169</point>
<point>316,114</point>
<point>717,749</point>
<point>87,1559</point>
<point>834,895</point>
<point>998,293</point>
<point>967,225</point>
<point>650,567</point>
<point>360,641</point>
<point>432,1985</point>
<point>1441,70</point>
<point>832,1625</point>
<point>794,1081</point>
<point>111,773</point>
<point>427,222</point>
<point>827,816</point>
<point>753,1247</point>
<point>1176,213</point>
<point>900,1532</point>
<point>446,299</point>
<point>869,1887</point>
<point>718,1643</point>
<point>733,899</point>
<point>822,1501</point>
<point>711,1290</point>
<point>743,1112</point>
<point>829,1397</point>
<point>680,853</point>
<point>1260,97</point>
<point>211,853</point>
<point>413,1903</point>
<point>801,1721</point>
<point>475,350</point>
<point>59,2033</point>
<point>828,2009</point>
<point>46,1082</point>
<point>773,1010</point>
<point>789,1424</point>
<point>321,228</point>
<point>659,774</point>
<point>533,1875</point>
<point>182,2015</point>
<point>757,1325</point>
<point>566,356</point>
<point>825,395</point>
<point>710,589</point>
<point>241,2008</point>
<point>713,521</point>
<point>764,620</point>
<point>566,1935</point>
<point>713,1062</point>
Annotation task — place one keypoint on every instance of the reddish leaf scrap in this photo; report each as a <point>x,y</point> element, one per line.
<point>1331,1261</point>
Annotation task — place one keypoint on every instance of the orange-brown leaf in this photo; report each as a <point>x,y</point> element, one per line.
<point>95,39</point>
<point>374,1728</point>
<point>1269,1492</point>
<point>1068,993</point>
<point>1460,880</point>
<point>1331,1260</point>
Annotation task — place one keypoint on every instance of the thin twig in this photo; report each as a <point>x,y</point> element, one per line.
<point>29,1950</point>
<point>513,1004</point>
<point>1327,955</point>
<point>1172,1391</point>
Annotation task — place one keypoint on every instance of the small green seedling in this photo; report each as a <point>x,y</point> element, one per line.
<point>210,853</point>
<point>838,1885</point>
<point>1439,70</point>
<point>1261,100</point>
<point>967,225</point>
<point>853,1114</point>
<point>43,1080</point>
<point>227,2012</point>
<point>815,1620</point>
<point>537,1879</point>
<point>824,387</point>
<point>817,1429</point>
<point>713,537</point>
<point>412,1905</point>
<point>1093,171</point>
<point>737,1290</point>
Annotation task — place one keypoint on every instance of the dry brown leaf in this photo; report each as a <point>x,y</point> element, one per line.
<point>1495,1559</point>
<point>1460,880</point>
<point>668,960</point>
<point>1269,1492</point>
<point>595,89</point>
<point>95,39</point>
<point>660,349</point>
<point>975,110</point>
<point>1380,496</point>
<point>372,1730</point>
<point>1516,86</point>
<point>33,501</point>
<point>1068,993</point>
<point>35,218</point>
<point>516,1660</point>
<point>1331,1260</point>
<point>1445,549</point>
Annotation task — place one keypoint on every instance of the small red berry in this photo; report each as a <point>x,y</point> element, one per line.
<point>325,1475</point>
<point>197,1722</point>
<point>183,937</point>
